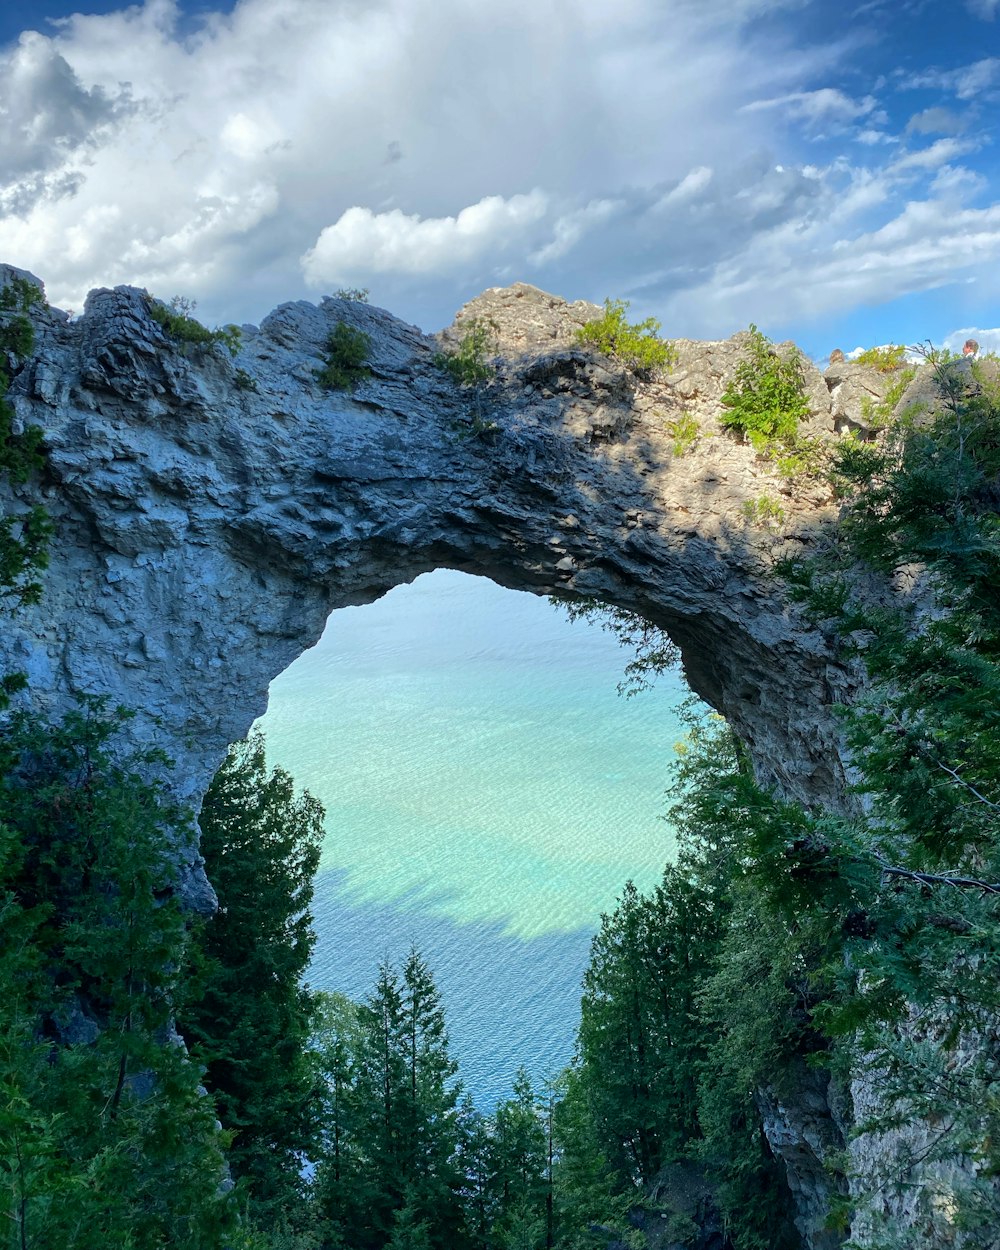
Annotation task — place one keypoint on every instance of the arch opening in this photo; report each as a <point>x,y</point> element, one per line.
<point>488,793</point>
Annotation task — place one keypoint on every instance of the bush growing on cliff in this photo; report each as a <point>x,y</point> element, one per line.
<point>765,399</point>
<point>469,364</point>
<point>180,324</point>
<point>637,345</point>
<point>347,350</point>
<point>885,359</point>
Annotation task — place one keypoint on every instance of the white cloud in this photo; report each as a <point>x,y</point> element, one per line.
<point>289,145</point>
<point>986,9</point>
<point>968,82</point>
<point>940,121</point>
<point>988,340</point>
<point>570,228</point>
<point>245,145</point>
<point>691,186</point>
<point>46,115</point>
<point>362,242</point>
<point>941,152</point>
<point>792,273</point>
<point>826,106</point>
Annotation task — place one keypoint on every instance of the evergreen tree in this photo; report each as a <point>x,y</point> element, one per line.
<point>106,1139</point>
<point>519,1169</point>
<point>339,1183</point>
<point>251,1023</point>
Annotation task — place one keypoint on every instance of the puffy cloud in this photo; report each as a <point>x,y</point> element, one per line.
<point>988,340</point>
<point>288,145</point>
<point>420,108</point>
<point>363,242</point>
<point>45,111</point>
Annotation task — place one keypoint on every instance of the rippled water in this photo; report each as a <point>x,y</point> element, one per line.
<point>487,794</point>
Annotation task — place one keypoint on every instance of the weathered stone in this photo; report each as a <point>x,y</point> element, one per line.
<point>207,523</point>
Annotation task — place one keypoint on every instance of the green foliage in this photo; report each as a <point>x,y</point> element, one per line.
<point>245,382</point>
<point>638,345</point>
<point>355,294</point>
<point>762,510</point>
<point>885,359</point>
<point>652,651</point>
<point>470,363</point>
<point>684,431</point>
<point>106,1139</point>
<point>347,351</point>
<point>180,324</point>
<point>24,536</point>
<point>878,414</point>
<point>765,399</point>
<point>695,996</point>
<point>918,945</point>
<point>251,1023</point>
<point>389,1173</point>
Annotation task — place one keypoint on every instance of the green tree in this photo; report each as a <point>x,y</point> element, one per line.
<point>520,1156</point>
<point>252,1021</point>
<point>339,1180</point>
<point>107,1139</point>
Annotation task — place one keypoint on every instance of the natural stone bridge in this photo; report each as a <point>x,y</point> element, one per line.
<point>211,512</point>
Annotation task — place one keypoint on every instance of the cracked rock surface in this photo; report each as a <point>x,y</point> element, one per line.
<point>211,511</point>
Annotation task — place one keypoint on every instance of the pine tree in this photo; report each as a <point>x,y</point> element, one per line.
<point>519,1168</point>
<point>252,1020</point>
<point>107,1139</point>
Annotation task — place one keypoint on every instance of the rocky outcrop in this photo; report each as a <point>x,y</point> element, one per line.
<point>210,512</point>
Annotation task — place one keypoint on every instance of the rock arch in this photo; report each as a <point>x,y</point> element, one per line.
<point>210,513</point>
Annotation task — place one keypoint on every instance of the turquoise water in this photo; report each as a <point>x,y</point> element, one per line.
<point>487,794</point>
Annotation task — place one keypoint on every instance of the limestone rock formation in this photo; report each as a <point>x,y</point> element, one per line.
<point>210,512</point>
<point>208,520</point>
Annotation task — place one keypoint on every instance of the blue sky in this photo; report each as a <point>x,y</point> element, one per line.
<point>835,180</point>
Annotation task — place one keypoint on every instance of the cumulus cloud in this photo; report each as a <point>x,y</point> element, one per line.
<point>245,145</point>
<point>662,150</point>
<point>49,123</point>
<point>988,340</point>
<point>362,242</point>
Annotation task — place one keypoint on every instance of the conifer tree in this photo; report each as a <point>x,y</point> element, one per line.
<point>252,1020</point>
<point>106,1139</point>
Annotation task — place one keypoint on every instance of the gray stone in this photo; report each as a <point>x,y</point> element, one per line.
<point>205,530</point>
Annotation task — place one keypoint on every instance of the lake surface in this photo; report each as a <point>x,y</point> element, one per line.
<point>487,794</point>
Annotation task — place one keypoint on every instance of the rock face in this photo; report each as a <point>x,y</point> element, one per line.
<point>212,511</point>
